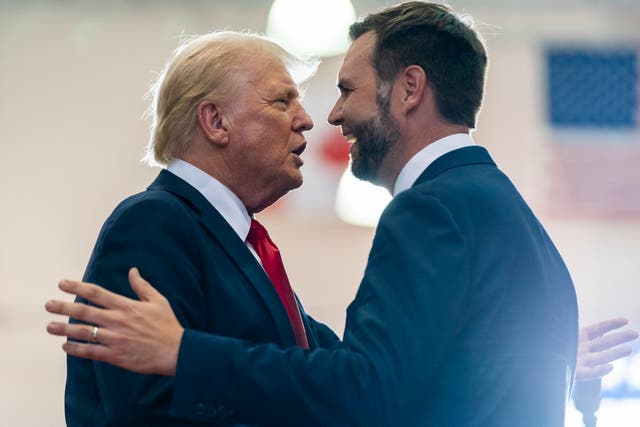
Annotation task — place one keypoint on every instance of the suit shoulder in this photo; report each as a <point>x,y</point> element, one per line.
<point>156,201</point>
<point>462,179</point>
<point>478,186</point>
<point>150,209</point>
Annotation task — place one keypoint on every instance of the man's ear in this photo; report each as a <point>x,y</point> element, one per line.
<point>413,84</point>
<point>211,122</point>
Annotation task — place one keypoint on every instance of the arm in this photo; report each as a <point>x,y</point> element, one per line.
<point>326,337</point>
<point>134,334</point>
<point>384,362</point>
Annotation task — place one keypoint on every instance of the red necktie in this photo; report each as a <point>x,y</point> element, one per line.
<point>272,263</point>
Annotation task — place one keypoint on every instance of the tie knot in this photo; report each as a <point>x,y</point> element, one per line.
<point>256,232</point>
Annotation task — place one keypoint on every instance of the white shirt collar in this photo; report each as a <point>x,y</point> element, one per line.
<point>224,200</point>
<point>423,158</point>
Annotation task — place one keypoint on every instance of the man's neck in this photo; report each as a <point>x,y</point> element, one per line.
<point>408,147</point>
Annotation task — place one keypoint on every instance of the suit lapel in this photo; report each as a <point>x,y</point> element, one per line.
<point>235,248</point>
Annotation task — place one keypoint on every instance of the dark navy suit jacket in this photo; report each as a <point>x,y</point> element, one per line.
<point>185,248</point>
<point>466,316</point>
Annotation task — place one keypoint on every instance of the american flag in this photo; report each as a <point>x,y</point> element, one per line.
<point>592,99</point>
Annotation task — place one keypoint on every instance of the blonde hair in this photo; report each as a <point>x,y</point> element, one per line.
<point>199,70</point>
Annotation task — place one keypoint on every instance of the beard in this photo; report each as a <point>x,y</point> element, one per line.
<point>374,139</point>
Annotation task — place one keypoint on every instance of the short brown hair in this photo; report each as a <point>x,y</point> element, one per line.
<point>442,42</point>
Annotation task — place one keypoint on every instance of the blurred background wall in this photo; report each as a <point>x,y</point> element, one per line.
<point>73,75</point>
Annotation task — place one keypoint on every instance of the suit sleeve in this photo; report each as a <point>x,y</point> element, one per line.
<point>326,337</point>
<point>159,238</point>
<point>409,307</point>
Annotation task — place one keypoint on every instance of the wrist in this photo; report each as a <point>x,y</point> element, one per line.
<point>171,362</point>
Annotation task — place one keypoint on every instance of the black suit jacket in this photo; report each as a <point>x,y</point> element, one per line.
<point>466,316</point>
<point>185,248</point>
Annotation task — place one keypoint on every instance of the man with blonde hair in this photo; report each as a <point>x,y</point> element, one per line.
<point>229,128</point>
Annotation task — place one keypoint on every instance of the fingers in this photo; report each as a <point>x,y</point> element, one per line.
<point>141,287</point>
<point>80,332</point>
<point>585,374</point>
<point>78,311</point>
<point>601,328</point>
<point>593,360</point>
<point>100,353</point>
<point>612,340</point>
<point>94,293</point>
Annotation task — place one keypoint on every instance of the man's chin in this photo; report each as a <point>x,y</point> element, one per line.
<point>359,171</point>
<point>366,173</point>
<point>296,182</point>
<point>277,194</point>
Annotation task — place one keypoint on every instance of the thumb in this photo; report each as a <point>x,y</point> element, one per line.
<point>141,287</point>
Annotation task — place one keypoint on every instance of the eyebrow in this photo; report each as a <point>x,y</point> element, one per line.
<point>345,83</point>
<point>290,92</point>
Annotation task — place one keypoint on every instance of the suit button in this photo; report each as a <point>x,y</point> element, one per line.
<point>199,409</point>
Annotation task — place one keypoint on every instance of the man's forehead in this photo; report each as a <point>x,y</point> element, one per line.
<point>272,69</point>
<point>282,87</point>
<point>279,78</point>
<point>358,57</point>
<point>275,84</point>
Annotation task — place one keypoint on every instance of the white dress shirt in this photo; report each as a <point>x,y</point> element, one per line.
<point>423,158</point>
<point>220,197</point>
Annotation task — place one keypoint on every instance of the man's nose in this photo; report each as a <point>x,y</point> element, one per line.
<point>303,121</point>
<point>335,115</point>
